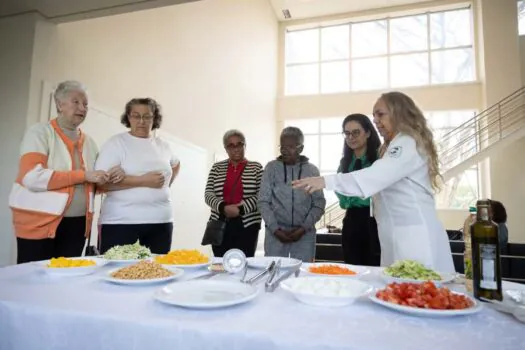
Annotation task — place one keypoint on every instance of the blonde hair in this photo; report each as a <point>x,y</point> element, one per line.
<point>408,119</point>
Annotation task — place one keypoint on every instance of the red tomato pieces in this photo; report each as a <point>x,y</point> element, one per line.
<point>425,295</point>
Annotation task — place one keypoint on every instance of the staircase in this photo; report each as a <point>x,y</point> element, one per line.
<point>473,141</point>
<point>483,135</point>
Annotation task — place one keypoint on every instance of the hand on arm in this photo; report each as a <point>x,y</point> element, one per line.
<point>98,177</point>
<point>116,174</point>
<point>154,179</point>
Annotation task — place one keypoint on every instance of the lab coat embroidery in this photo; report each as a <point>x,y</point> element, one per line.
<point>395,152</point>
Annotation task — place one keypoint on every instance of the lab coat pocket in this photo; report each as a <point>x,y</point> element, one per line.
<point>412,243</point>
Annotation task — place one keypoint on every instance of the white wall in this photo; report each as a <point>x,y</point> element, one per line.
<point>211,64</point>
<point>16,41</point>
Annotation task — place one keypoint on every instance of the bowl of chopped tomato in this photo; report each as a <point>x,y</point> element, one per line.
<point>334,270</point>
<point>425,299</point>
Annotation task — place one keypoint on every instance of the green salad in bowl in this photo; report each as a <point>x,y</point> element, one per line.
<point>128,252</point>
<point>411,270</point>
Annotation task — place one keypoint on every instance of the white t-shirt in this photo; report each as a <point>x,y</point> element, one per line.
<point>137,156</point>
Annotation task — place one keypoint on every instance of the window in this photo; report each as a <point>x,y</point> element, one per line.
<point>521,17</point>
<point>462,191</point>
<point>419,50</point>
<point>323,145</point>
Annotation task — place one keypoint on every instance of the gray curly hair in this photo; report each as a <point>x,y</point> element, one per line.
<point>296,133</point>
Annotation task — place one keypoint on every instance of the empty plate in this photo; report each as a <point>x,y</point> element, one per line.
<point>206,294</point>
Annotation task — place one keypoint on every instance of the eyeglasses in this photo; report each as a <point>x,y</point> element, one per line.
<point>288,147</point>
<point>352,134</point>
<point>147,118</point>
<point>232,146</point>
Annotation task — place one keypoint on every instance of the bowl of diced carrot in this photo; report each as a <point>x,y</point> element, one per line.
<point>334,270</point>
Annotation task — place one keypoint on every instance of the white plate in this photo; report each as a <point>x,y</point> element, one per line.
<point>320,291</point>
<point>71,271</point>
<point>415,311</point>
<point>359,270</point>
<point>177,273</point>
<point>262,262</point>
<point>206,294</point>
<point>445,278</point>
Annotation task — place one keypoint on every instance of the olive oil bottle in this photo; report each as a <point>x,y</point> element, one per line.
<point>486,265</point>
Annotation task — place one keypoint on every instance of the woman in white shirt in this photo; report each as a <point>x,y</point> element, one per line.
<point>139,207</point>
<point>402,183</point>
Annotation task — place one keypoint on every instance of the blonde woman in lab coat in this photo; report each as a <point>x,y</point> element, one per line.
<point>402,183</point>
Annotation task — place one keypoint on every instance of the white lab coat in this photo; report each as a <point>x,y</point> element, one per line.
<point>403,203</point>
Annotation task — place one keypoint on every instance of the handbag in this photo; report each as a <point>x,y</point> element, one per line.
<point>214,232</point>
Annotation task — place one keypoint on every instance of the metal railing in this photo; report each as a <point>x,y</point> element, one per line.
<point>333,214</point>
<point>483,130</point>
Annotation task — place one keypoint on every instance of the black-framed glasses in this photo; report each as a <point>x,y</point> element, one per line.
<point>233,146</point>
<point>354,133</point>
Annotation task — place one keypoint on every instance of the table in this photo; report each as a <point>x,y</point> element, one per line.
<point>42,312</point>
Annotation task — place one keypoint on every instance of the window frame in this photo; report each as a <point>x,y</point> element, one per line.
<point>350,59</point>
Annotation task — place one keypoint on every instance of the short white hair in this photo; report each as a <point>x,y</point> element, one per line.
<point>230,133</point>
<point>65,87</point>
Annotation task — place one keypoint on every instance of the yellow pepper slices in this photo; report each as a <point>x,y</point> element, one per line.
<point>182,257</point>
<point>62,262</point>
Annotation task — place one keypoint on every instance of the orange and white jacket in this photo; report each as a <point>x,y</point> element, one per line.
<point>44,187</point>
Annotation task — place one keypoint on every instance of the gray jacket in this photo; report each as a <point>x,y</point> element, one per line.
<point>280,205</point>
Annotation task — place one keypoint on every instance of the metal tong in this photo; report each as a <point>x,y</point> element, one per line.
<point>273,283</point>
<point>269,269</point>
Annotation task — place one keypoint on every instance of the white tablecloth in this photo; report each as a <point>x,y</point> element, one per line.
<point>42,312</point>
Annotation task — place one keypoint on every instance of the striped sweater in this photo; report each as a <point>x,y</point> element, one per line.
<point>251,182</point>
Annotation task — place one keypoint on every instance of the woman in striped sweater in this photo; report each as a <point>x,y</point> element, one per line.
<point>231,193</point>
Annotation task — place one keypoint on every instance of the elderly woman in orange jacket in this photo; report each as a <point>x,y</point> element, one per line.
<point>52,197</point>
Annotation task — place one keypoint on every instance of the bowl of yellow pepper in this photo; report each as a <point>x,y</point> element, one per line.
<point>183,258</point>
<point>76,266</point>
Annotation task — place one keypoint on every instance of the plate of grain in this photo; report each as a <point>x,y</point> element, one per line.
<point>143,272</point>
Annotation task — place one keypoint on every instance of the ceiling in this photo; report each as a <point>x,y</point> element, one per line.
<point>302,9</point>
<point>72,10</point>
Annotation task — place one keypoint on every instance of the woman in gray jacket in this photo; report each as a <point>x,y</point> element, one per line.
<point>290,215</point>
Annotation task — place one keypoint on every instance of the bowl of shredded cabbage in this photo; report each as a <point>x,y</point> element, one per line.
<point>403,271</point>
<point>129,253</point>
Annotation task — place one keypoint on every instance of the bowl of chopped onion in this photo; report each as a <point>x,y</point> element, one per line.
<point>326,291</point>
